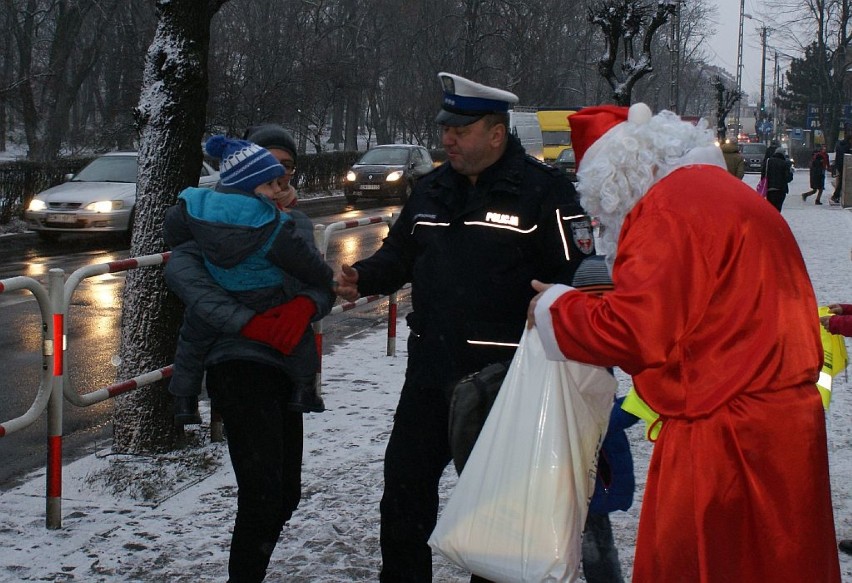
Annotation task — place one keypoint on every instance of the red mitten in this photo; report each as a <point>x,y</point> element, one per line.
<point>282,326</point>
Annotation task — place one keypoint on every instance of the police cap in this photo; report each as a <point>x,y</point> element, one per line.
<point>466,101</point>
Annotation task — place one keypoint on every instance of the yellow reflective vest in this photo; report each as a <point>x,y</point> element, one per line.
<point>834,361</point>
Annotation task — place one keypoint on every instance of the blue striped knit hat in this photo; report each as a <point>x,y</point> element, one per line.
<point>245,165</point>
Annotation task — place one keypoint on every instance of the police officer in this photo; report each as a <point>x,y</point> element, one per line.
<point>473,235</point>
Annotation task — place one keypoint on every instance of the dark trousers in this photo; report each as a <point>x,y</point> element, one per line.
<point>776,197</point>
<point>265,446</point>
<point>417,454</point>
<point>600,555</point>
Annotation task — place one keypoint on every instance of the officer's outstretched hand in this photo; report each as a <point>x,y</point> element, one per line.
<point>540,288</point>
<point>347,283</point>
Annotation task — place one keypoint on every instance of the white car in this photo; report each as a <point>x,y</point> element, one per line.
<point>100,198</point>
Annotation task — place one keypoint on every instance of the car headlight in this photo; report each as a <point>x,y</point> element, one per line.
<point>37,205</point>
<point>394,176</point>
<point>104,206</point>
<point>351,176</point>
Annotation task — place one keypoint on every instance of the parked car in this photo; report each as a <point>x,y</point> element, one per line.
<point>99,198</point>
<point>388,171</point>
<point>566,162</point>
<point>753,155</point>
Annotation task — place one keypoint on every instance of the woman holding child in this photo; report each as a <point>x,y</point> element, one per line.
<point>246,377</point>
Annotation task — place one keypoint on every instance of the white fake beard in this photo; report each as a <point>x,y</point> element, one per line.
<point>621,166</point>
<point>609,193</point>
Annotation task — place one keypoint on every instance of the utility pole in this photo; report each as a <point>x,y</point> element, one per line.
<point>775,119</point>
<point>763,32</point>
<point>674,64</point>
<point>739,70</point>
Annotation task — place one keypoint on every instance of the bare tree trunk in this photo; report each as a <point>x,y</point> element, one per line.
<point>336,135</point>
<point>353,115</point>
<point>171,116</point>
<point>5,79</point>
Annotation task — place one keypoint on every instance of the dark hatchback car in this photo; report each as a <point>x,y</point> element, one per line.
<point>753,154</point>
<point>387,172</point>
<point>566,162</point>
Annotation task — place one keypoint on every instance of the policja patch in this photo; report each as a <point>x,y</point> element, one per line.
<point>583,235</point>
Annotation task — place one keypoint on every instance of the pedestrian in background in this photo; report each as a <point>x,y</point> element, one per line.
<point>738,486</point>
<point>474,233</point>
<point>733,159</point>
<point>819,164</point>
<point>770,149</point>
<point>779,173</point>
<point>248,386</point>
<point>841,148</point>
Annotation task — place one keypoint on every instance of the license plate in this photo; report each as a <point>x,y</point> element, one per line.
<point>61,218</point>
<point>370,186</point>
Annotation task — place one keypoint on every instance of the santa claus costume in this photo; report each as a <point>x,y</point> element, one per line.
<point>714,316</point>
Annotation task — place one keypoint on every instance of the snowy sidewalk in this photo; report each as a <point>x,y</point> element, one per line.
<point>333,537</point>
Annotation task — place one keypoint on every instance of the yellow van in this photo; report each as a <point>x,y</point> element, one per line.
<point>555,131</point>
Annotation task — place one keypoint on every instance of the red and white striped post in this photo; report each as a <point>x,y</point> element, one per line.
<point>53,511</point>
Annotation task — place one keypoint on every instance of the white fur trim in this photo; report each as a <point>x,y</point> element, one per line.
<point>709,155</point>
<point>544,324</point>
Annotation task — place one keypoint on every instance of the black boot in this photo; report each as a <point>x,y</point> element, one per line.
<point>845,545</point>
<point>306,397</point>
<point>186,411</point>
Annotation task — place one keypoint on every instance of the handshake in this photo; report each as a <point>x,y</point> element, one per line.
<point>346,283</point>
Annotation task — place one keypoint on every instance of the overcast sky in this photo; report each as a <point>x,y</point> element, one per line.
<point>723,46</point>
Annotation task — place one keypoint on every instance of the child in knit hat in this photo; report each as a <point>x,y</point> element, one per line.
<point>252,250</point>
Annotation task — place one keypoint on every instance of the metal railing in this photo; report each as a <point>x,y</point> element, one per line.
<point>54,302</point>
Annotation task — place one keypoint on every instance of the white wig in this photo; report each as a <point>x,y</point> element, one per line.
<point>622,165</point>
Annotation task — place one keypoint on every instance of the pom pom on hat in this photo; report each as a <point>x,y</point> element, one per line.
<point>639,113</point>
<point>245,165</point>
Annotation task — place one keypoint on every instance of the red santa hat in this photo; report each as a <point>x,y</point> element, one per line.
<point>590,123</point>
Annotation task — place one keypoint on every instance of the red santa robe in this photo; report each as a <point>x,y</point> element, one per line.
<point>714,316</point>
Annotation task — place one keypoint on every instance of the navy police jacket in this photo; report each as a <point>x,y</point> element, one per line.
<point>470,252</point>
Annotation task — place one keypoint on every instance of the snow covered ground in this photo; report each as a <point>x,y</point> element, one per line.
<point>177,527</point>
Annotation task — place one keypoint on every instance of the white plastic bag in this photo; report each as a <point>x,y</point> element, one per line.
<point>518,510</point>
